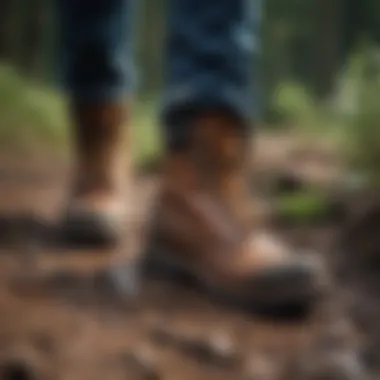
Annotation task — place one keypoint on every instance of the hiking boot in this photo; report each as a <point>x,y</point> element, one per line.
<point>203,233</point>
<point>95,211</point>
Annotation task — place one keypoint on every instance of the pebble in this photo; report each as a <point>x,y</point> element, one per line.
<point>338,335</point>
<point>117,281</point>
<point>262,367</point>
<point>141,364</point>
<point>287,183</point>
<point>340,365</point>
<point>216,349</point>
<point>371,355</point>
<point>14,369</point>
<point>44,343</point>
<point>161,335</point>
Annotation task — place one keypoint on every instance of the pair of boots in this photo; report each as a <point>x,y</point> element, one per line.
<point>201,226</point>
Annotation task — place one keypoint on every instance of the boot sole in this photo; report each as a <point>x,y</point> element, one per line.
<point>87,231</point>
<point>291,297</point>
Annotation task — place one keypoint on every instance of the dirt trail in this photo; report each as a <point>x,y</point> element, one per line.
<point>168,334</point>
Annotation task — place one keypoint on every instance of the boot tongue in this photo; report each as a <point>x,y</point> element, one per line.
<point>209,177</point>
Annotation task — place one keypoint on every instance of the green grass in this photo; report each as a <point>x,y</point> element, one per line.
<point>146,138</point>
<point>29,113</point>
<point>350,118</point>
<point>33,116</point>
<point>302,208</point>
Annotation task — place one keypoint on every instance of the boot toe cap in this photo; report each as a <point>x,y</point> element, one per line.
<point>300,281</point>
<point>89,228</point>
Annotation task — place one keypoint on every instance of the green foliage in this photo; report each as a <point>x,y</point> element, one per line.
<point>34,116</point>
<point>147,141</point>
<point>351,116</point>
<point>293,58</point>
<point>29,113</point>
<point>294,105</point>
<point>360,110</point>
<point>302,207</point>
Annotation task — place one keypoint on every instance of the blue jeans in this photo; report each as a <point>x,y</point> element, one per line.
<point>208,56</point>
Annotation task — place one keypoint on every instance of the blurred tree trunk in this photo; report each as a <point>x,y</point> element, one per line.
<point>356,22</point>
<point>24,32</point>
<point>33,47</point>
<point>10,26</point>
<point>327,45</point>
<point>5,11</point>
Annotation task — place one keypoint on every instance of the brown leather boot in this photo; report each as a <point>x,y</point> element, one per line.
<point>95,210</point>
<point>202,227</point>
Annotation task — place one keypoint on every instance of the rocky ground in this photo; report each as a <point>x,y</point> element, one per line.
<point>75,328</point>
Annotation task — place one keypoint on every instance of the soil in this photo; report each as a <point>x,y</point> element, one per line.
<point>79,327</point>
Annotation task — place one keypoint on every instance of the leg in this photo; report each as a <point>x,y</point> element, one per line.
<point>209,61</point>
<point>97,74</point>
<point>202,227</point>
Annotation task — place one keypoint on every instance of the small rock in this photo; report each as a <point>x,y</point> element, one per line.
<point>338,211</point>
<point>341,365</point>
<point>339,335</point>
<point>160,334</point>
<point>261,367</point>
<point>44,343</point>
<point>217,349</point>
<point>354,182</point>
<point>117,281</point>
<point>16,370</point>
<point>371,355</point>
<point>287,183</point>
<point>140,363</point>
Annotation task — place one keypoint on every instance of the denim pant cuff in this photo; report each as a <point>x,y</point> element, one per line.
<point>180,109</point>
<point>100,94</point>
